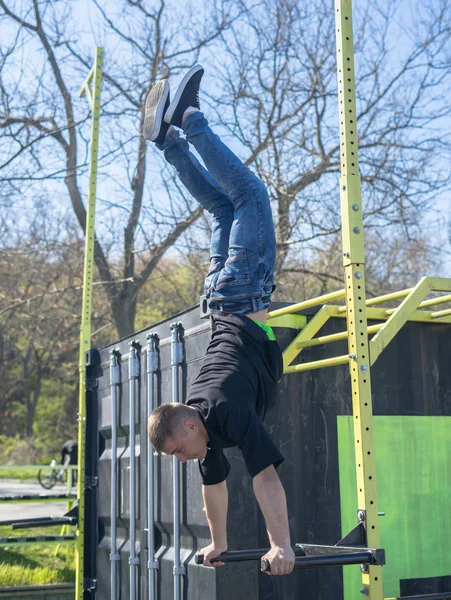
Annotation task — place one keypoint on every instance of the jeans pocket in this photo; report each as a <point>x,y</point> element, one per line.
<point>235,270</point>
<point>215,267</point>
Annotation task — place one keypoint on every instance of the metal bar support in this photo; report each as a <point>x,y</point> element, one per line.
<point>308,331</point>
<point>306,304</point>
<point>309,555</point>
<point>319,364</point>
<point>176,360</point>
<point>334,337</point>
<point>418,316</point>
<point>354,267</point>
<point>399,317</point>
<point>153,365</point>
<point>94,78</point>
<point>133,371</point>
<point>115,380</point>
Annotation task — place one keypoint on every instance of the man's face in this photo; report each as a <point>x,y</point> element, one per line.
<point>188,443</point>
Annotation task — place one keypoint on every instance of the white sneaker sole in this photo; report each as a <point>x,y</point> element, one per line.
<point>178,94</point>
<point>153,115</point>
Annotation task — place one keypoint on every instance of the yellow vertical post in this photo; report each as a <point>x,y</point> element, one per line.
<point>354,267</point>
<point>92,88</point>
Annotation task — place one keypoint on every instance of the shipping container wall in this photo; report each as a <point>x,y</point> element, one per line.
<point>311,425</point>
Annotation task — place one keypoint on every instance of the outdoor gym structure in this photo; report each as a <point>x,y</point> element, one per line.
<point>105,537</point>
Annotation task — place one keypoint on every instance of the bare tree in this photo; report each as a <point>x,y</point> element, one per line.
<point>278,97</point>
<point>42,125</point>
<point>40,304</point>
<point>272,83</point>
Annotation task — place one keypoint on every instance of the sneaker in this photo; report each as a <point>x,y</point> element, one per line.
<point>157,102</point>
<point>186,95</point>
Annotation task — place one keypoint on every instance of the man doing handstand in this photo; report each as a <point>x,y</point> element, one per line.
<point>237,383</point>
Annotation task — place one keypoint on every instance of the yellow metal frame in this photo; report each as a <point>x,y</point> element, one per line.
<point>392,320</point>
<point>362,353</point>
<point>92,88</point>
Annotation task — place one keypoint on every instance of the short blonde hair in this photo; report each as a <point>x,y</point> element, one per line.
<point>165,421</point>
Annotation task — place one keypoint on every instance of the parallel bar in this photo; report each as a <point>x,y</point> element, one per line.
<point>115,380</point>
<point>42,522</point>
<point>304,551</point>
<point>334,337</point>
<point>31,522</point>
<point>307,562</point>
<point>133,366</point>
<point>153,365</point>
<point>318,364</point>
<point>307,304</point>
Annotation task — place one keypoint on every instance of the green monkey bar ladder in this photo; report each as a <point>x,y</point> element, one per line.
<point>362,353</point>
<point>92,88</point>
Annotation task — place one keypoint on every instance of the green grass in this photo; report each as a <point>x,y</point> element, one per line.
<point>36,564</point>
<point>22,474</point>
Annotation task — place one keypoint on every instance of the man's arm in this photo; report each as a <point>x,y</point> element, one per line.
<point>216,499</point>
<point>273,503</point>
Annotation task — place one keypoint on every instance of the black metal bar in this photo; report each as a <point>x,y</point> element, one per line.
<point>310,555</point>
<point>437,596</point>
<point>337,560</point>
<point>32,497</point>
<point>38,539</point>
<point>13,521</point>
<point>43,522</point>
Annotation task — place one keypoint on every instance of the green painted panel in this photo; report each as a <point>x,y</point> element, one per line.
<point>413,470</point>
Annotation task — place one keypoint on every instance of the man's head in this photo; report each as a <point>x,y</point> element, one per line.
<point>177,429</point>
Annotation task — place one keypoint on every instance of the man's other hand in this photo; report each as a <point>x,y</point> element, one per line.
<point>281,560</point>
<point>211,552</point>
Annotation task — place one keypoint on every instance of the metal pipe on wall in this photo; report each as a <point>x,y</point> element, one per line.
<point>176,360</point>
<point>115,380</point>
<point>133,368</point>
<point>153,365</point>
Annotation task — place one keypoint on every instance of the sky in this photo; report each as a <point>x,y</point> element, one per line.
<point>93,32</point>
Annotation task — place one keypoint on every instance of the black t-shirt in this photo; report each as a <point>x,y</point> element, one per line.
<point>234,390</point>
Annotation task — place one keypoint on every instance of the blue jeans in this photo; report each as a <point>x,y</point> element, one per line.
<point>243,244</point>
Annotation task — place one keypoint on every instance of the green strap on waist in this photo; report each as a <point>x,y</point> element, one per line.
<point>267,329</point>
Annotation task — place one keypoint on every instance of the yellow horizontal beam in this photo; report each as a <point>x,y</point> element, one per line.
<point>440,284</point>
<point>441,313</point>
<point>306,304</point>
<point>318,364</point>
<point>387,297</point>
<point>290,321</point>
<point>436,300</point>
<point>333,337</point>
<point>377,314</point>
